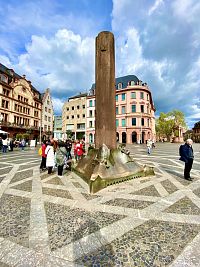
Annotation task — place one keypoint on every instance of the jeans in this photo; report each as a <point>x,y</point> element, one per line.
<point>60,170</point>
<point>188,167</point>
<point>4,150</point>
<point>43,163</point>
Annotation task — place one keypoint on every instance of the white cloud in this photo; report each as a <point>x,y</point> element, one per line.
<point>64,63</point>
<point>57,105</point>
<point>155,6</point>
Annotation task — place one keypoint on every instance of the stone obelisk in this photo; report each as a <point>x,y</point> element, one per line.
<point>105,118</point>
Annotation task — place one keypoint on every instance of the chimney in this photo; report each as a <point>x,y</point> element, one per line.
<point>24,76</point>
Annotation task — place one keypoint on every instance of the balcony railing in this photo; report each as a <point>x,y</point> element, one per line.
<point>12,124</point>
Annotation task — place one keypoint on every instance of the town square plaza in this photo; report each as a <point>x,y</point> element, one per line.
<point>46,220</point>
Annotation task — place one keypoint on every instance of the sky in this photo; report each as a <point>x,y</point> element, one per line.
<point>52,42</point>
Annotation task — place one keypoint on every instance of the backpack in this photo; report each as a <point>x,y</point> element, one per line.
<point>60,157</point>
<point>40,151</point>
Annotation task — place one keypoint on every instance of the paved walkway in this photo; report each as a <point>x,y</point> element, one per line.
<point>50,221</point>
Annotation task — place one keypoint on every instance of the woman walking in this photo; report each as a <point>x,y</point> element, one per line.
<point>50,160</point>
<point>44,157</point>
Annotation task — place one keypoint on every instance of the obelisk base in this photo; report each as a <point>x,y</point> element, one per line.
<point>103,167</point>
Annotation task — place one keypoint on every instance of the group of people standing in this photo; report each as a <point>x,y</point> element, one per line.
<point>58,153</point>
<point>7,144</point>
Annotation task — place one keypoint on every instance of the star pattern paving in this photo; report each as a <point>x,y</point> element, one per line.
<point>46,220</point>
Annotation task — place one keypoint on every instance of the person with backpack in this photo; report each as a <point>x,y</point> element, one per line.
<point>60,157</point>
<point>44,156</point>
<point>187,156</point>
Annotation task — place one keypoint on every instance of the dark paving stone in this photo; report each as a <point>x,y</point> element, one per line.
<point>15,219</point>
<point>169,186</point>
<point>197,192</point>
<point>31,165</point>
<point>67,225</point>
<point>56,192</point>
<point>4,165</point>
<point>5,170</point>
<point>129,203</point>
<point>184,206</point>
<point>55,180</point>
<point>89,197</point>
<point>22,175</point>
<point>1,179</point>
<point>2,264</point>
<point>153,244</point>
<point>27,186</point>
<point>77,184</point>
<point>147,191</point>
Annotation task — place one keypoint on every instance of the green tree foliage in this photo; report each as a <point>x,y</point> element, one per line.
<point>19,136</point>
<point>167,124</point>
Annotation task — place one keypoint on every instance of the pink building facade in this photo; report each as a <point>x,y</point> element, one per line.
<point>135,119</point>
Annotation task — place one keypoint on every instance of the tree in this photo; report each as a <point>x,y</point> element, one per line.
<point>69,134</point>
<point>167,125</point>
<point>19,136</point>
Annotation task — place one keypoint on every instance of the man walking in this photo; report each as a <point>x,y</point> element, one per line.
<point>187,155</point>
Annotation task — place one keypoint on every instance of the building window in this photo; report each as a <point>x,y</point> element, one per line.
<point>47,102</point>
<point>117,122</point>
<point>81,126</point>
<point>83,115</point>
<point>142,121</point>
<point>147,96</point>
<point>123,110</point>
<point>67,117</point>
<point>133,108</point>
<point>117,110</point>
<point>49,110</point>
<point>4,103</point>
<point>6,92</point>
<point>123,122</point>
<point>148,122</point>
<point>141,95</point>
<point>90,113</point>
<point>119,86</point>
<point>132,83</point>
<point>72,116</point>
<point>67,109</point>
<point>133,95</point>
<point>142,108</point>
<point>45,117</point>
<point>49,128</point>
<point>116,97</point>
<point>77,107</point>
<point>49,119</point>
<point>46,109</point>
<point>78,116</point>
<point>3,78</point>
<point>90,103</point>
<point>90,124</point>
<point>123,96</point>
<point>83,106</point>
<point>133,121</point>
<point>72,107</point>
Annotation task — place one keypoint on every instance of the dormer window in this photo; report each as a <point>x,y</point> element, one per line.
<point>3,78</point>
<point>131,83</point>
<point>119,86</point>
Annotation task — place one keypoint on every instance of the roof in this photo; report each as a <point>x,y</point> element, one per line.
<point>124,80</point>
<point>78,96</point>
<point>11,73</point>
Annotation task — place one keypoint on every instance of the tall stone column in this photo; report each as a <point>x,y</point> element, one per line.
<point>105,118</point>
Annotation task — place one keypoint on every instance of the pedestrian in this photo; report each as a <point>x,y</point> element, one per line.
<point>44,156</point>
<point>60,157</point>
<point>50,159</point>
<point>75,150</point>
<point>68,146</point>
<point>23,144</point>
<point>11,144</point>
<point>187,156</point>
<point>79,150</point>
<point>149,146</point>
<point>1,143</point>
<point>5,145</point>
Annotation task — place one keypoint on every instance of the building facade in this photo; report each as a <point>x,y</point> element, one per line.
<point>47,115</point>
<point>196,132</point>
<point>20,104</point>
<point>135,119</point>
<point>57,132</point>
<point>74,117</point>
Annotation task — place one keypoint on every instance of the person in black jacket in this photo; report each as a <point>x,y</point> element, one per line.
<point>187,155</point>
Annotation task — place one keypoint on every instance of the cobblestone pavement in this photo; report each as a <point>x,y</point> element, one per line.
<point>46,220</point>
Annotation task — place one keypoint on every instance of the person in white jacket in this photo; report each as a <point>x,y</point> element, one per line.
<point>49,151</point>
